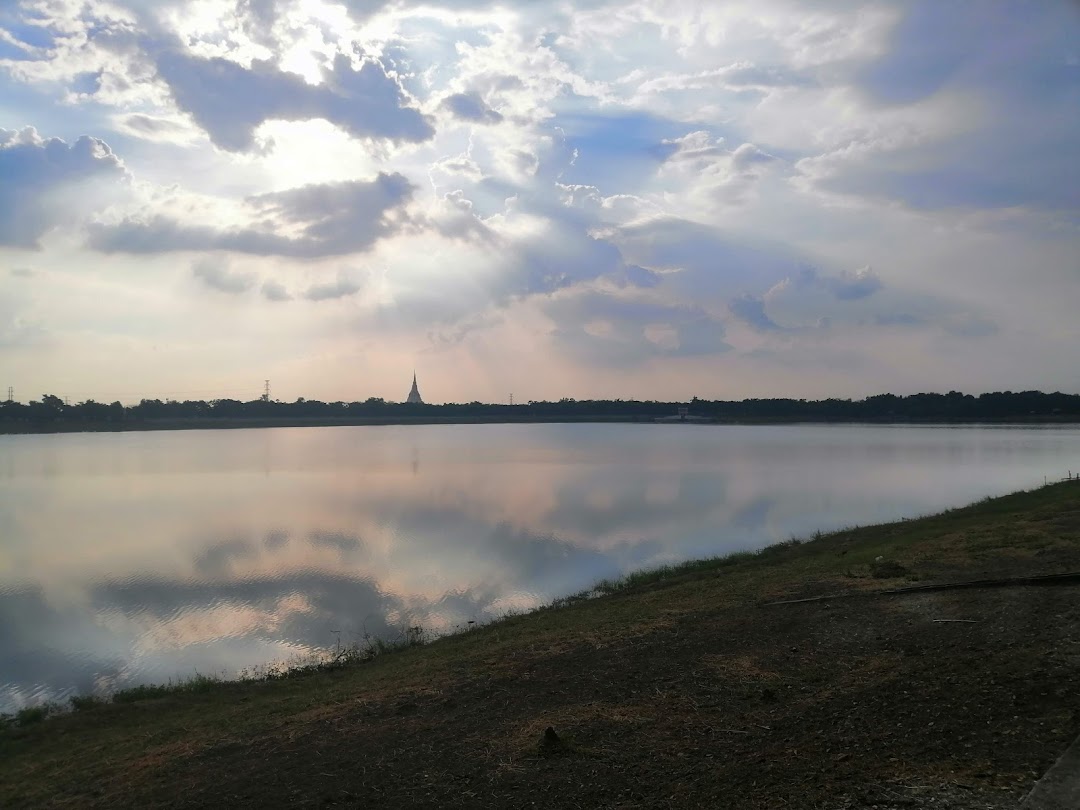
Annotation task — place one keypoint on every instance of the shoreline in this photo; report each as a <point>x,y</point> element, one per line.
<point>250,424</point>
<point>683,677</point>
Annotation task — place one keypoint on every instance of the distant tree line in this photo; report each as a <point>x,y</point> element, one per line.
<point>52,413</point>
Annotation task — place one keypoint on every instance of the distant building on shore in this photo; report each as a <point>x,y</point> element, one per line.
<point>414,394</point>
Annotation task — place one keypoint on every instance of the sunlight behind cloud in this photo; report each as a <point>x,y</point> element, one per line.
<point>640,196</point>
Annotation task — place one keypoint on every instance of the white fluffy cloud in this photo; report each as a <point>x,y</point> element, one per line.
<point>306,222</point>
<point>47,182</point>
<point>619,189</point>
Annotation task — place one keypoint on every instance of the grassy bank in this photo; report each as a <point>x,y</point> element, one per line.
<point>679,688</point>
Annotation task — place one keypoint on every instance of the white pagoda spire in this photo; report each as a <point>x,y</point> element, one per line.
<point>414,394</point>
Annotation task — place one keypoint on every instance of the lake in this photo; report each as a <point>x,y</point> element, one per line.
<point>131,558</point>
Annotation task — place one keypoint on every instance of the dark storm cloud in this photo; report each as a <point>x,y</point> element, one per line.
<point>332,219</point>
<point>230,101</point>
<point>45,182</point>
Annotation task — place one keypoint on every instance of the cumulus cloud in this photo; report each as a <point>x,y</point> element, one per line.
<point>47,182</point>
<point>471,107</point>
<point>229,101</point>
<point>329,219</point>
<point>462,165</point>
<point>697,160</point>
<point>215,274</point>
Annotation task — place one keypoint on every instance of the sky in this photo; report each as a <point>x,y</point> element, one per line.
<point>650,199</point>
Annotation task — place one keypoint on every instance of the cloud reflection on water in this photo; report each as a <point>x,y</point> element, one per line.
<point>140,557</point>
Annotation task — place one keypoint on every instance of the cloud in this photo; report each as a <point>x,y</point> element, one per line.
<point>944,116</point>
<point>697,161</point>
<point>215,274</point>
<point>616,330</point>
<point>462,165</point>
<point>853,286</point>
<point>230,101</point>
<point>750,309</point>
<point>471,107</point>
<point>275,291</point>
<point>846,286</point>
<point>743,75</point>
<point>329,219</point>
<point>342,287</point>
<point>48,182</point>
<point>155,128</point>
<point>704,262</point>
<point>641,276</point>
<point>700,152</point>
<point>810,300</point>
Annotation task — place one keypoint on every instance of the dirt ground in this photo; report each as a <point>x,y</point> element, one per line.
<point>851,703</point>
<point>947,699</point>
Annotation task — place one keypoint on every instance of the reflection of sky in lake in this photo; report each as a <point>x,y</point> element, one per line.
<point>135,557</point>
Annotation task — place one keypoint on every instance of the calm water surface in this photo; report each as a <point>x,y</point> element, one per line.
<point>138,557</point>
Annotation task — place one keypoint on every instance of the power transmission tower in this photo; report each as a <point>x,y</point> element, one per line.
<point>10,394</point>
<point>266,392</point>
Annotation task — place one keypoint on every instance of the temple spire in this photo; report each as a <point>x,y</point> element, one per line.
<point>414,394</point>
